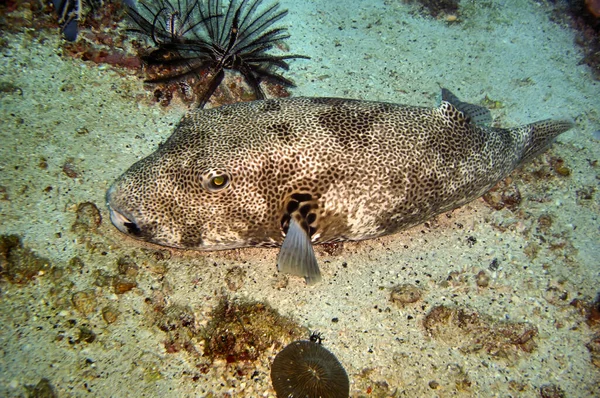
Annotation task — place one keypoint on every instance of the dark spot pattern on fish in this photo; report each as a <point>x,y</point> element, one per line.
<point>297,171</point>
<point>350,127</point>
<point>282,130</point>
<point>270,106</point>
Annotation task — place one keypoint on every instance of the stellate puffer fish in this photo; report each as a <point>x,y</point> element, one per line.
<point>301,171</point>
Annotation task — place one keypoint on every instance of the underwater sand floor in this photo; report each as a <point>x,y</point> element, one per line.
<point>74,127</point>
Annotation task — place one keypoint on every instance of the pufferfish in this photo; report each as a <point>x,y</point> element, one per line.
<point>293,172</point>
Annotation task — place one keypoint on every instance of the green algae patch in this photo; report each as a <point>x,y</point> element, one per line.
<point>19,264</point>
<point>242,330</point>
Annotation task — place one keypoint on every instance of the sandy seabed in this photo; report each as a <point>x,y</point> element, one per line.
<point>70,128</point>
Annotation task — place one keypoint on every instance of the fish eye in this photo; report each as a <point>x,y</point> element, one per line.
<point>218,181</point>
<point>215,180</point>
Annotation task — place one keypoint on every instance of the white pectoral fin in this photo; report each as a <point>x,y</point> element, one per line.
<point>297,256</point>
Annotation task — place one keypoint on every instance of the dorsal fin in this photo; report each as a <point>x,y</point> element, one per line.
<point>478,115</point>
<point>450,112</point>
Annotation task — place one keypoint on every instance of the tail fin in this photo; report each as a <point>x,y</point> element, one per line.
<point>539,136</point>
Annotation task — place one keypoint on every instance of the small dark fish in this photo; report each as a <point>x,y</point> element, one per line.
<point>69,14</point>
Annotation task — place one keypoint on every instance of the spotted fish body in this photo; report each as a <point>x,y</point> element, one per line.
<point>313,170</point>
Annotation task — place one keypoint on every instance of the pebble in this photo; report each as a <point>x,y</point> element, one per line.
<point>405,294</point>
<point>84,302</point>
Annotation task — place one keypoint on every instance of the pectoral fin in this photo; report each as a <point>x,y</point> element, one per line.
<point>297,256</point>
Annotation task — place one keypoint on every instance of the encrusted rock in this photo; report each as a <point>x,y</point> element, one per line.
<point>179,323</point>
<point>234,278</point>
<point>127,267</point>
<point>110,314</point>
<point>472,332</point>
<point>84,301</point>
<point>505,194</point>
<point>243,330</point>
<point>123,284</point>
<point>482,279</point>
<point>19,264</point>
<point>551,391</point>
<point>88,218</point>
<point>405,294</point>
<point>594,347</point>
<point>86,335</point>
<point>43,389</point>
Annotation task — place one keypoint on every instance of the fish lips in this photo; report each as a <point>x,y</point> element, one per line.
<point>124,221</point>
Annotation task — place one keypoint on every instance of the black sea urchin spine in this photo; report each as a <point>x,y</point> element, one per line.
<point>166,22</point>
<point>194,37</point>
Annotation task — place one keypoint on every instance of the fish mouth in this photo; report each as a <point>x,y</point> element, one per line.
<point>124,222</point>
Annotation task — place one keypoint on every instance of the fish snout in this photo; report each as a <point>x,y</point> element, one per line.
<point>124,222</point>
